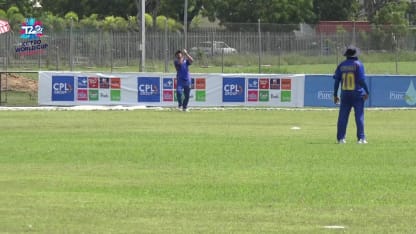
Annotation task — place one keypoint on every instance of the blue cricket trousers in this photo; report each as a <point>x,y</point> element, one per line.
<point>184,90</point>
<point>351,100</point>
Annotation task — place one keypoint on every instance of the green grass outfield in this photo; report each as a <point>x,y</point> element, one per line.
<point>207,171</point>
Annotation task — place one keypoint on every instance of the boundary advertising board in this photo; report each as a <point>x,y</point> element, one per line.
<point>159,89</point>
<point>385,91</point>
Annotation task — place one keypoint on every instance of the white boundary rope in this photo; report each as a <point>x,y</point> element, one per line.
<point>130,108</point>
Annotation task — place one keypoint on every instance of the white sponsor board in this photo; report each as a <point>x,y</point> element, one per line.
<point>159,89</point>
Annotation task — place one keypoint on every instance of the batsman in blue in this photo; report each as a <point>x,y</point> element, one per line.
<point>350,77</point>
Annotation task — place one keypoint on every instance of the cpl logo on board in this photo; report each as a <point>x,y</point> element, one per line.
<point>233,89</point>
<point>62,88</point>
<point>148,89</point>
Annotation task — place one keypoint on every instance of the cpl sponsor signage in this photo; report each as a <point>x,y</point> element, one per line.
<point>99,89</point>
<point>233,89</point>
<point>168,89</point>
<point>269,89</point>
<point>148,89</point>
<point>78,88</point>
<point>62,88</point>
<point>70,88</point>
<point>31,31</point>
<point>198,89</point>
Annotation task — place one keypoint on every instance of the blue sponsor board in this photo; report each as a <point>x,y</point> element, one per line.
<point>148,89</point>
<point>393,91</point>
<point>319,90</point>
<point>385,91</point>
<point>233,89</point>
<point>63,88</point>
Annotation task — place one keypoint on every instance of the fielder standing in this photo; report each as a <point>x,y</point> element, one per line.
<point>354,91</point>
<point>183,86</point>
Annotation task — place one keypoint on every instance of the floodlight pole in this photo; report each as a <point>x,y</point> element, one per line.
<point>185,23</point>
<point>143,36</point>
<point>71,55</point>
<point>354,40</point>
<point>259,31</point>
<point>166,45</point>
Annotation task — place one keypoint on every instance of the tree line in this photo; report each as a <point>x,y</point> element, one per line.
<point>125,14</point>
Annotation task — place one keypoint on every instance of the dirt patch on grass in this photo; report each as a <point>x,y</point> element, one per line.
<point>15,82</point>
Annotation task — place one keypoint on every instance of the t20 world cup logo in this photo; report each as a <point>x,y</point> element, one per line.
<point>31,29</point>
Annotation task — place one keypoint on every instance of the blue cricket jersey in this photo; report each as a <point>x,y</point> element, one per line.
<point>183,72</point>
<point>350,73</point>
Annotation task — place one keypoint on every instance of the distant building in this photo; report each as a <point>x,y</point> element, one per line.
<point>331,27</point>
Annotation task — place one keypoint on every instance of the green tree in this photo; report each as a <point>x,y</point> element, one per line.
<point>393,13</point>
<point>53,22</point>
<point>340,10</point>
<point>14,17</point>
<point>71,19</point>
<point>391,24</point>
<point>24,6</point>
<point>132,20</point>
<point>85,8</point>
<point>175,9</point>
<point>153,7</point>
<point>268,11</point>
<point>91,21</point>
<point>3,14</point>
<point>172,24</point>
<point>371,7</point>
<point>412,13</point>
<point>117,23</point>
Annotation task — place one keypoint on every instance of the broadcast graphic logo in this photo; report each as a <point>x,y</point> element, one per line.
<point>31,29</point>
